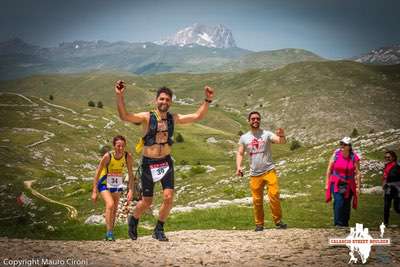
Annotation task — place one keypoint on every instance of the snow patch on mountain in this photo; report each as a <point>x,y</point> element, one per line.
<point>382,56</point>
<point>209,36</point>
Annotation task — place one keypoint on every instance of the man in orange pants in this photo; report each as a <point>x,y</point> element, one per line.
<point>257,143</point>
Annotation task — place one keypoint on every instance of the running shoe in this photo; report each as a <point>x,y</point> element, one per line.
<point>159,235</point>
<point>132,227</point>
<point>110,237</point>
<point>281,225</point>
<point>259,228</point>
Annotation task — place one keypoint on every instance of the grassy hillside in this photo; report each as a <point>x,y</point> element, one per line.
<point>307,98</point>
<point>270,59</point>
<point>58,145</point>
<point>57,142</point>
<point>63,166</point>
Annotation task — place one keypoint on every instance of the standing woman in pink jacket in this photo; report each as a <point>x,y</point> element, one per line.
<point>343,181</point>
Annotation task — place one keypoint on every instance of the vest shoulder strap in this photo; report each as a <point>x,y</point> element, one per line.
<point>337,151</point>
<point>353,157</point>
<point>109,161</point>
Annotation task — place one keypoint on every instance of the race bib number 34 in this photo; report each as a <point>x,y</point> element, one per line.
<point>159,170</point>
<point>114,180</point>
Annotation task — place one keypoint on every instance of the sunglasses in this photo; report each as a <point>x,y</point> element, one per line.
<point>343,144</point>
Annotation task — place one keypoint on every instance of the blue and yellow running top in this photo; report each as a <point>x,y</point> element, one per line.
<point>112,174</point>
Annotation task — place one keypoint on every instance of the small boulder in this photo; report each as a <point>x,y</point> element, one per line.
<point>95,219</point>
<point>212,140</point>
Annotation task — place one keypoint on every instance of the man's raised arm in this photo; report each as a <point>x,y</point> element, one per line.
<point>201,112</point>
<point>123,114</point>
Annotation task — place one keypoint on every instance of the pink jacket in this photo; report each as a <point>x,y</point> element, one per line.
<point>343,171</point>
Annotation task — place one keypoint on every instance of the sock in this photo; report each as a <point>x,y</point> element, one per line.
<point>109,233</point>
<point>160,225</point>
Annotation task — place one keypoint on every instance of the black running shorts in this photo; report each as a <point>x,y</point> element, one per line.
<point>156,168</point>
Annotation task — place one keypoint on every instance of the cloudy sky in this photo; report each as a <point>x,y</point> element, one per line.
<point>330,28</point>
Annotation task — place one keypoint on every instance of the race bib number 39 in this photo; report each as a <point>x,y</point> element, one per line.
<point>159,170</point>
<point>114,180</point>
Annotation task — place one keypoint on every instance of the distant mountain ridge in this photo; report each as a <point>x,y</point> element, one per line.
<point>19,59</point>
<point>17,46</point>
<point>195,49</point>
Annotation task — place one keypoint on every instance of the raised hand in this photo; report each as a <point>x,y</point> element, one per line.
<point>209,92</point>
<point>119,87</point>
<point>280,132</point>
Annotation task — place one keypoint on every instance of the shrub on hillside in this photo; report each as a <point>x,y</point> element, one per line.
<point>354,133</point>
<point>91,104</point>
<point>51,97</point>
<point>295,144</point>
<point>100,104</point>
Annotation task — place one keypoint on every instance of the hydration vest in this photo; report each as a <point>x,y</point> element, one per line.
<point>150,137</point>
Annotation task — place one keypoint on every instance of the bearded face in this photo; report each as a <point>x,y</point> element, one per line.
<point>163,102</point>
<point>254,121</point>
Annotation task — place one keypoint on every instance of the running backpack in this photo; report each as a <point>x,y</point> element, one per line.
<point>150,137</point>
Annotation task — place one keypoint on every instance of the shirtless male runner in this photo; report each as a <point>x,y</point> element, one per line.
<point>157,165</point>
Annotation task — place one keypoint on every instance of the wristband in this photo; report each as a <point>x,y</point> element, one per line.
<point>208,101</point>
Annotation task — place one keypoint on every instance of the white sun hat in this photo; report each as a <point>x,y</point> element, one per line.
<point>346,140</point>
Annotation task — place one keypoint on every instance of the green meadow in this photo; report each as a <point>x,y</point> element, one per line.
<point>58,144</point>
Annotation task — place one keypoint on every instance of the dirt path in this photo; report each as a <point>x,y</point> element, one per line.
<point>58,106</point>
<point>291,247</point>
<point>72,212</point>
<point>32,104</point>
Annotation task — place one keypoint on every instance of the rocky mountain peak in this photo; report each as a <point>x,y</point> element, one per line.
<point>198,34</point>
<point>389,55</point>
